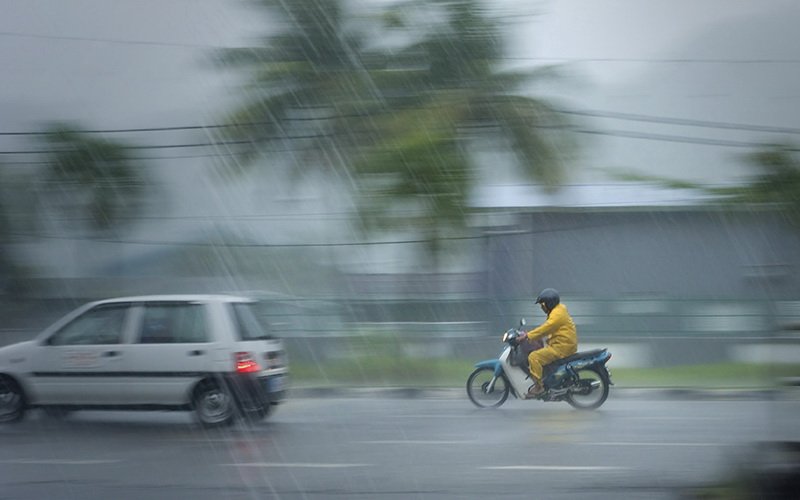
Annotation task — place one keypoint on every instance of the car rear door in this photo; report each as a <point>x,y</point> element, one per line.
<point>171,350</point>
<point>256,343</point>
<point>82,362</point>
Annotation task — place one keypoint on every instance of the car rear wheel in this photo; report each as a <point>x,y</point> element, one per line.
<point>12,401</point>
<point>214,404</point>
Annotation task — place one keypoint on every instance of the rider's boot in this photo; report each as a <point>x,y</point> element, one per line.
<point>535,390</point>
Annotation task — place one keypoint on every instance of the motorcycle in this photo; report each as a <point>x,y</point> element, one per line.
<point>582,380</point>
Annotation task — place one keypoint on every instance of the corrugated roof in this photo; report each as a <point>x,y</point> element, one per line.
<point>627,195</point>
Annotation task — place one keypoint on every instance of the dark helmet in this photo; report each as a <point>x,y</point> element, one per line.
<point>549,297</point>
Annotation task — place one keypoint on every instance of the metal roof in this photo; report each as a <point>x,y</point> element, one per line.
<point>620,195</point>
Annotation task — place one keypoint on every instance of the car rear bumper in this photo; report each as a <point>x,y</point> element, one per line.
<point>254,391</point>
<point>275,386</point>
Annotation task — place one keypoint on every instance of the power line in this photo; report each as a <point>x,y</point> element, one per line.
<point>674,60</point>
<point>609,133</point>
<point>118,41</point>
<point>241,245</point>
<point>123,130</point>
<point>677,60</point>
<point>684,121</point>
<point>200,244</point>
<point>589,112</point>
<point>174,146</point>
<point>671,138</point>
<point>573,128</point>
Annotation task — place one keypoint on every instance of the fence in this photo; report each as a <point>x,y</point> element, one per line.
<point>640,332</point>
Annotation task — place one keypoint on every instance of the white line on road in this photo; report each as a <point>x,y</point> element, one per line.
<point>674,418</point>
<point>653,444</point>
<point>401,441</point>
<point>443,415</point>
<point>54,461</point>
<point>555,468</point>
<point>296,465</point>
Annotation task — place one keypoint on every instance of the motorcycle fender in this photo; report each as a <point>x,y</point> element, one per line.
<point>494,364</point>
<point>598,365</point>
<point>608,374</point>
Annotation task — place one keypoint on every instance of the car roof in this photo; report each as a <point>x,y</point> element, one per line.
<point>176,298</point>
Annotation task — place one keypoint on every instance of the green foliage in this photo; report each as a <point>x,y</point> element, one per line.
<point>93,175</point>
<point>777,183</point>
<point>396,120</point>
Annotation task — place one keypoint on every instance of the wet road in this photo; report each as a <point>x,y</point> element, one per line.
<point>638,446</point>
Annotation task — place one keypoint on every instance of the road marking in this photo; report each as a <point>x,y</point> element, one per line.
<point>554,468</point>
<point>612,443</point>
<point>445,416</point>
<point>55,461</point>
<point>677,418</point>
<point>296,465</point>
<point>400,441</point>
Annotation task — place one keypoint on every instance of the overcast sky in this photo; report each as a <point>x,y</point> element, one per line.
<point>632,68</point>
<point>142,63</point>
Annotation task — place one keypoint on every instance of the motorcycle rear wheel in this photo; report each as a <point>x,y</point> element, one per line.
<point>478,385</point>
<point>590,391</point>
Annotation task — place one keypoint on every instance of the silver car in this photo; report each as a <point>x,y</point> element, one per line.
<point>206,353</point>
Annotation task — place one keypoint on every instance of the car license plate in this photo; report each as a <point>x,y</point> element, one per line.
<point>277,383</point>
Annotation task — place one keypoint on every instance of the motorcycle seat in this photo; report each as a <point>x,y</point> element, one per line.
<point>549,368</point>
<point>578,355</point>
<point>552,367</point>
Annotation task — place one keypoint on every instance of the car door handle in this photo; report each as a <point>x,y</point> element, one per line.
<point>196,353</point>
<point>111,354</point>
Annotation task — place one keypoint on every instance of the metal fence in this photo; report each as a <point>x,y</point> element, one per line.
<point>641,332</point>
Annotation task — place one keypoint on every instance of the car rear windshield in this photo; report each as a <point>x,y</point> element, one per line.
<point>249,325</point>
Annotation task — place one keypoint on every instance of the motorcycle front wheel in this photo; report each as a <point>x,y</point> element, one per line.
<point>589,391</point>
<point>481,394</point>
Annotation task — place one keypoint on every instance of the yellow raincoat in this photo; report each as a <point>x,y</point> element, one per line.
<point>562,340</point>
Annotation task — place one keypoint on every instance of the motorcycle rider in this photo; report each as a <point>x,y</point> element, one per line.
<point>560,333</point>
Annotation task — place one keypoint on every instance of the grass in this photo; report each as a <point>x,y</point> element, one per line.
<point>720,375</point>
<point>379,360</point>
<point>383,370</point>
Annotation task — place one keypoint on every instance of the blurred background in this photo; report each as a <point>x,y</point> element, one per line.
<point>398,180</point>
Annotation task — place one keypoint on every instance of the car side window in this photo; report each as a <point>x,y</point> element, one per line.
<point>173,324</point>
<point>99,325</point>
<point>248,324</point>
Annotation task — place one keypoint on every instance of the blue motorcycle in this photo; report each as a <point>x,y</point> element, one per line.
<point>582,380</point>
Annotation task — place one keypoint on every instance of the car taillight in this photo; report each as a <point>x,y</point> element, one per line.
<point>246,363</point>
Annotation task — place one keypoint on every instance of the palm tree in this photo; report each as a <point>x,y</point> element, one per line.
<point>397,120</point>
<point>450,91</point>
<point>94,176</point>
<point>778,183</point>
<point>307,86</point>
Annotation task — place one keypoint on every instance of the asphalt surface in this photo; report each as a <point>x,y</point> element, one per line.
<point>399,443</point>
